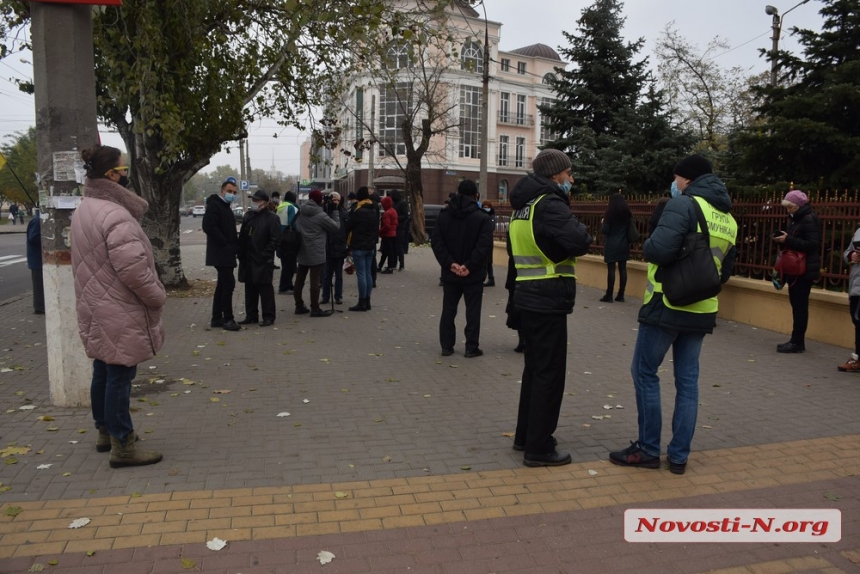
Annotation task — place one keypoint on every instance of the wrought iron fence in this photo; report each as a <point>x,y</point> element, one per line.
<point>757,218</point>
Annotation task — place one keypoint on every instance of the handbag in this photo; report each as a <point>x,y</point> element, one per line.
<point>632,233</point>
<point>790,262</point>
<point>693,277</point>
<point>348,265</point>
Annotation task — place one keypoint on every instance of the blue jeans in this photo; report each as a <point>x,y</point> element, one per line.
<point>110,393</point>
<point>363,259</point>
<point>652,343</point>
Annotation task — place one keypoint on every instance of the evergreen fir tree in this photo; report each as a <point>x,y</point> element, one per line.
<point>609,115</point>
<point>810,133</point>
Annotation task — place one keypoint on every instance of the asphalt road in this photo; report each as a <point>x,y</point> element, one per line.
<point>15,276</point>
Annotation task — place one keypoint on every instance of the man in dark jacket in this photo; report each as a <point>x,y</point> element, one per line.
<point>663,325</point>
<point>545,241</point>
<point>461,241</point>
<point>219,225</point>
<point>403,220</point>
<point>34,262</point>
<point>335,254</point>
<point>362,230</point>
<point>259,238</point>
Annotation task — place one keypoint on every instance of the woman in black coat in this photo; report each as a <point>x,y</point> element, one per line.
<point>803,235</point>
<point>616,246</point>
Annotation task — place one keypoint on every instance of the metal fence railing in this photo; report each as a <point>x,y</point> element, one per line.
<point>757,218</point>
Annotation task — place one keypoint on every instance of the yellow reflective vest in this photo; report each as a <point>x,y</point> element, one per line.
<point>723,230</point>
<point>531,263</point>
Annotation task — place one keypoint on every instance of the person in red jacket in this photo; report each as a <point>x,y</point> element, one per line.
<point>388,234</point>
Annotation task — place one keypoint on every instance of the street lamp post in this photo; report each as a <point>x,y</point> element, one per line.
<point>777,28</point>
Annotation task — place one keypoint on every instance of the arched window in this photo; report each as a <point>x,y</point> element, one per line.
<point>398,57</point>
<point>472,57</point>
<point>548,77</point>
<point>503,190</point>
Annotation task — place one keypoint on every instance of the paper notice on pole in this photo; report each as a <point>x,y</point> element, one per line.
<point>67,202</point>
<point>65,163</point>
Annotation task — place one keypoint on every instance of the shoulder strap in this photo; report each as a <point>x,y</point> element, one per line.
<point>700,217</point>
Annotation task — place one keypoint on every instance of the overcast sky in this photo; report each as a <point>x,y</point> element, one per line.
<point>743,23</point>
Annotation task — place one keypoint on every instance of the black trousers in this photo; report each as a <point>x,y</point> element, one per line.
<point>222,300</point>
<point>265,293</point>
<point>288,269</point>
<point>402,245</point>
<point>473,294</point>
<point>389,253</point>
<point>38,291</point>
<point>798,296</point>
<point>610,277</point>
<point>854,307</point>
<point>543,380</point>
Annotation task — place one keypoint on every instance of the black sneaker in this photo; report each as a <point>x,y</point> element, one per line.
<point>447,352</point>
<point>474,353</point>
<point>554,458</point>
<point>301,310</point>
<point>633,455</point>
<point>321,313</point>
<point>216,324</point>
<point>231,325</point>
<point>248,321</point>
<point>677,467</point>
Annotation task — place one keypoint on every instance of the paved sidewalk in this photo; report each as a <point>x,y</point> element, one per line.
<point>397,459</point>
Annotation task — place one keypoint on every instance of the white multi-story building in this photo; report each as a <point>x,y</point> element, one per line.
<point>517,86</point>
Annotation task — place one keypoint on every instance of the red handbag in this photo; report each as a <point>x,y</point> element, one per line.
<point>791,262</point>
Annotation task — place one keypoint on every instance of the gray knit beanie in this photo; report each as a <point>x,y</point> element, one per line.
<point>550,162</point>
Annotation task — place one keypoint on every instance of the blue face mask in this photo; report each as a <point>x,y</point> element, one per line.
<point>674,190</point>
<point>229,197</point>
<point>565,187</point>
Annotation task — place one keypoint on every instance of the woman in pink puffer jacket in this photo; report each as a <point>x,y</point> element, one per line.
<point>119,299</point>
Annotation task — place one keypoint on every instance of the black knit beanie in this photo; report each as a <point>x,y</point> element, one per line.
<point>550,162</point>
<point>693,166</point>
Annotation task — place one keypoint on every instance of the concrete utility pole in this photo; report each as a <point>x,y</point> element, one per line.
<point>372,145</point>
<point>242,176</point>
<point>776,24</point>
<point>485,111</point>
<point>64,81</point>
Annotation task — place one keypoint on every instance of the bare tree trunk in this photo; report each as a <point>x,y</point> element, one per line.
<point>161,224</point>
<point>415,196</point>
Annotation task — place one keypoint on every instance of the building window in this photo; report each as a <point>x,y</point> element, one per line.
<point>521,68</point>
<point>503,190</point>
<point>395,103</point>
<point>470,121</point>
<point>472,57</point>
<point>504,142</point>
<point>504,107</point>
<point>506,64</point>
<point>521,110</point>
<point>398,57</point>
<point>547,78</point>
<point>546,135</point>
<point>520,158</point>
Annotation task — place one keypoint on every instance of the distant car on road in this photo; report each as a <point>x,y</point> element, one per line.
<point>238,212</point>
<point>198,210</point>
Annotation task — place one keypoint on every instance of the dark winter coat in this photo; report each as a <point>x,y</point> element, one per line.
<point>34,243</point>
<point>559,235</point>
<point>616,246</point>
<point>362,229</point>
<point>335,247</point>
<point>315,224</point>
<point>403,216</point>
<point>259,238</point>
<point>219,225</point>
<point>804,234</point>
<point>662,248</point>
<point>463,234</point>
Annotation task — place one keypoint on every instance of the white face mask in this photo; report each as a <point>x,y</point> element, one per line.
<point>260,206</point>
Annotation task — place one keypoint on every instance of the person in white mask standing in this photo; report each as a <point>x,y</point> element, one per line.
<point>219,225</point>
